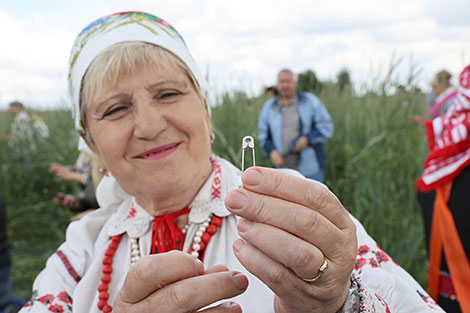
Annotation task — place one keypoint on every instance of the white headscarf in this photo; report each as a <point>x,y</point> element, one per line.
<point>120,27</point>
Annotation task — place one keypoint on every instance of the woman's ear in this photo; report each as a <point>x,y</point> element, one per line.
<point>209,128</point>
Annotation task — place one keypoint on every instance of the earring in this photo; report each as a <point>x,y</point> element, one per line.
<point>103,171</point>
<point>212,136</point>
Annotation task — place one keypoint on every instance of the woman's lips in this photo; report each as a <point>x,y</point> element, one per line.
<point>159,152</point>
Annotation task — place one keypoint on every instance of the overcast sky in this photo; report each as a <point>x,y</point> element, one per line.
<point>242,44</point>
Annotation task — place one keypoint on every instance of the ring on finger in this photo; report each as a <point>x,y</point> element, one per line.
<point>321,271</point>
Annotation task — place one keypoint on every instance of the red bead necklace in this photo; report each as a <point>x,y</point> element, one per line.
<point>103,305</point>
<point>197,250</point>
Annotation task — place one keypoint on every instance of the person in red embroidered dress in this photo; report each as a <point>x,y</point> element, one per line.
<point>442,192</point>
<point>281,243</point>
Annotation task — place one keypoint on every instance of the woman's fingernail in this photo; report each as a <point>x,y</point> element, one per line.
<point>200,267</point>
<point>240,280</point>
<point>233,307</point>
<point>238,244</point>
<point>244,225</point>
<point>236,200</point>
<point>252,177</point>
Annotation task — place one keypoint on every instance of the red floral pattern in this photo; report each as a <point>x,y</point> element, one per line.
<point>366,256</point>
<point>60,303</point>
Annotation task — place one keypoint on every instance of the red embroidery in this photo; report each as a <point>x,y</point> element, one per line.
<point>428,300</point>
<point>217,183</point>
<point>373,258</point>
<point>46,299</point>
<point>56,304</point>
<point>382,301</point>
<point>373,263</point>
<point>360,262</point>
<point>363,250</point>
<point>68,266</point>
<point>464,78</point>
<point>382,256</point>
<point>56,308</point>
<point>132,213</point>
<point>63,296</point>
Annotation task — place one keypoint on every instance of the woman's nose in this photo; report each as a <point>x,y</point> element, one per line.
<point>148,121</point>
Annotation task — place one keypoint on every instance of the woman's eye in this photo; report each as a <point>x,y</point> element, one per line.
<point>169,94</point>
<point>115,111</point>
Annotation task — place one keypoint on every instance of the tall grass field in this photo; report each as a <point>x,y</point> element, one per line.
<point>373,159</point>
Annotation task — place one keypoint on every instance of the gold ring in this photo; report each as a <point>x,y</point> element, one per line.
<point>321,271</point>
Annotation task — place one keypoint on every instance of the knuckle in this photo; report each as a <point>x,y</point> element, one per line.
<point>119,306</point>
<point>278,275</point>
<point>141,271</point>
<point>261,207</point>
<point>277,186</point>
<point>180,298</point>
<point>315,196</point>
<point>307,222</point>
<point>302,258</point>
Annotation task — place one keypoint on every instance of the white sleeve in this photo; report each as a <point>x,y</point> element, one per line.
<point>382,279</point>
<point>53,288</point>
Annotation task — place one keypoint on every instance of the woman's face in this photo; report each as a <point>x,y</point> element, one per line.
<point>152,132</point>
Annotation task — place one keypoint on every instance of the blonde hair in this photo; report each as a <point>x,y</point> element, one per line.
<point>442,79</point>
<point>121,59</point>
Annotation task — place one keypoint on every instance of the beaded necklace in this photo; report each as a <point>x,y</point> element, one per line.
<point>202,237</point>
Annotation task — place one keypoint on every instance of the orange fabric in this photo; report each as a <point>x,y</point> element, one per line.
<point>444,236</point>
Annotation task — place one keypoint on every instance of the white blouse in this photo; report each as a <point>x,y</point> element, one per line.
<point>71,277</point>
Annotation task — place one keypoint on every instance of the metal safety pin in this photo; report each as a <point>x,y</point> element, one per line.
<point>247,142</point>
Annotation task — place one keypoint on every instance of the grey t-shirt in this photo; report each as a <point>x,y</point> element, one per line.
<point>290,132</point>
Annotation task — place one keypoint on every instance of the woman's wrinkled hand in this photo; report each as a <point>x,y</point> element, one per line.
<point>289,227</point>
<point>176,282</point>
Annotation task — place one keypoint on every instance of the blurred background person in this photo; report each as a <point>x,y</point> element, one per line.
<point>293,128</point>
<point>270,92</point>
<point>86,173</point>
<point>8,304</point>
<point>21,135</point>
<point>445,201</point>
<point>440,99</point>
<point>25,132</point>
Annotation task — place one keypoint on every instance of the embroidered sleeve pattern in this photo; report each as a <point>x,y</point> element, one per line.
<point>68,266</point>
<point>364,300</point>
<point>383,281</point>
<point>58,303</point>
<point>54,286</point>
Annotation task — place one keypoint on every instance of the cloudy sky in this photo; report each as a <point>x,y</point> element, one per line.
<point>242,44</point>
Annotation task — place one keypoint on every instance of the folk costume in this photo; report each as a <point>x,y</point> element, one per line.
<point>443,195</point>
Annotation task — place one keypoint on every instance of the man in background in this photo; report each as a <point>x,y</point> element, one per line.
<point>293,127</point>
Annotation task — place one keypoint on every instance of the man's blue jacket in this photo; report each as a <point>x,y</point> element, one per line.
<point>315,124</point>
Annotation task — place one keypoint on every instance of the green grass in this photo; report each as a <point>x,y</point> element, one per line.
<point>373,158</point>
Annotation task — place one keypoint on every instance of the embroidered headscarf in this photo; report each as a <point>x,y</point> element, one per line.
<point>120,27</point>
<point>448,140</point>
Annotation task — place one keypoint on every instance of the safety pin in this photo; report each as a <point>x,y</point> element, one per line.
<point>247,142</point>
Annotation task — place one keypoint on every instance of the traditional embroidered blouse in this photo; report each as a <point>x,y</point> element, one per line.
<point>72,274</point>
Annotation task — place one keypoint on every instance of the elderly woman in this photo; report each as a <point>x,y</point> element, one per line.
<point>175,232</point>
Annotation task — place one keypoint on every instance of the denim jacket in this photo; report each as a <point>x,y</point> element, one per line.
<point>315,123</point>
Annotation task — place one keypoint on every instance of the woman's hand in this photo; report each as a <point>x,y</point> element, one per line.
<point>66,172</point>
<point>289,227</point>
<point>176,282</point>
<point>68,201</point>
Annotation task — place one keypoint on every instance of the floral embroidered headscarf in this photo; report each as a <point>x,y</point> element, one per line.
<point>119,27</point>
